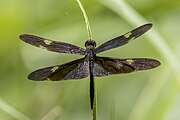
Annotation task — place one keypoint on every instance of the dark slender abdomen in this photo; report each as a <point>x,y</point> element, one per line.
<point>91,66</point>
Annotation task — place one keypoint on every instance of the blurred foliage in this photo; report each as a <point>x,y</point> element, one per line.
<point>146,95</point>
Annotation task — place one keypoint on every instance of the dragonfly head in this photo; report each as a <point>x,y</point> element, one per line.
<point>90,43</point>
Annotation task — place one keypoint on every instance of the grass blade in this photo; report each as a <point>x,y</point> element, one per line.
<point>95,102</point>
<point>86,20</point>
<point>149,95</point>
<point>53,114</point>
<point>12,111</point>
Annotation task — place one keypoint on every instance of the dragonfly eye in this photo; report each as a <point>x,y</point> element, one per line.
<point>90,43</point>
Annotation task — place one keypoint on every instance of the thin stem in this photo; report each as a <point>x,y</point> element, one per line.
<point>95,102</point>
<point>12,111</point>
<point>86,20</point>
<point>53,114</point>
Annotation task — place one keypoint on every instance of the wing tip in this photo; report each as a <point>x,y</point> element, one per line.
<point>146,64</point>
<point>31,77</point>
<point>156,63</point>
<point>148,26</point>
<point>22,36</point>
<point>25,37</point>
<point>153,64</point>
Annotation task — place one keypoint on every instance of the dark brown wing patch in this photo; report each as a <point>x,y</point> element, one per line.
<point>142,63</point>
<point>50,45</point>
<point>105,66</point>
<point>76,69</point>
<point>123,39</point>
<point>100,71</point>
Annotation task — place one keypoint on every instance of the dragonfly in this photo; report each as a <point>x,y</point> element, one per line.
<point>91,64</point>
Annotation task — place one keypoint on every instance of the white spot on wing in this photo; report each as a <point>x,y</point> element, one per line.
<point>47,42</point>
<point>130,61</point>
<point>54,68</point>
<point>127,35</point>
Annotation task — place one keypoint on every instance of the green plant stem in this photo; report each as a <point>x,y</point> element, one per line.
<point>12,111</point>
<point>86,20</point>
<point>95,102</point>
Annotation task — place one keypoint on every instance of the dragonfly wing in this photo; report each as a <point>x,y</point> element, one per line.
<point>124,39</point>
<point>50,45</point>
<point>99,70</point>
<point>107,66</point>
<point>76,69</point>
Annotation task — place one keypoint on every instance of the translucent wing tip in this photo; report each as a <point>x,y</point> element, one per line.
<point>149,64</point>
<point>34,77</point>
<point>39,75</point>
<point>155,63</point>
<point>24,37</point>
<point>147,26</point>
<point>31,76</point>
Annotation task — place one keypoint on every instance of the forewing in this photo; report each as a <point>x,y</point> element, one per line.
<point>107,66</point>
<point>77,69</point>
<point>50,45</point>
<point>124,39</point>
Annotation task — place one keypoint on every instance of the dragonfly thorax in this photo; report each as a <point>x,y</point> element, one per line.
<point>90,46</point>
<point>90,43</point>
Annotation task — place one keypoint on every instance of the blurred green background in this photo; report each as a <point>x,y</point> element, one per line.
<point>147,95</point>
